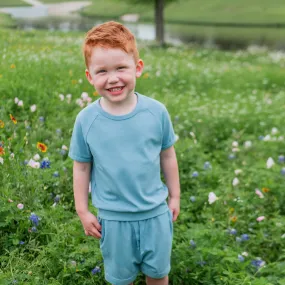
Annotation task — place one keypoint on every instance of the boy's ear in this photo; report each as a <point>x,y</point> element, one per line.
<point>139,68</point>
<point>88,76</point>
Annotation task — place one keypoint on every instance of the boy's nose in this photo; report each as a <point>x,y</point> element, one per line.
<point>113,78</point>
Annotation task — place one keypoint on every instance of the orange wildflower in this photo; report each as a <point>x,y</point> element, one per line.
<point>146,75</point>
<point>13,119</point>
<point>2,151</point>
<point>265,190</point>
<point>13,65</point>
<point>95,93</point>
<point>1,124</point>
<point>234,219</point>
<point>231,210</point>
<point>42,147</point>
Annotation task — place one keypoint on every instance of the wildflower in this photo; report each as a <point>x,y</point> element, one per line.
<point>63,152</point>
<point>45,164</point>
<point>240,258</point>
<point>33,108</point>
<point>267,138</point>
<point>42,147</point>
<point>261,138</point>
<point>212,197</point>
<point>234,219</point>
<point>33,229</point>
<point>55,174</point>
<point>195,174</point>
<point>84,96</point>
<point>68,97</point>
<point>10,201</point>
<point>265,190</point>
<point>73,263</point>
<point>80,102</point>
<point>238,239</point>
<point>2,124</point>
<point>207,165</point>
<point>261,218</point>
<point>36,157</point>
<point>244,253</point>
<point>20,206</point>
<point>16,100</point>
<point>21,242</point>
<point>281,158</point>
<point>61,97</point>
<point>258,262</point>
<point>20,103</point>
<point>232,156</point>
<point>233,232</point>
<point>234,144</point>
<point>34,219</point>
<point>259,193</point>
<point>33,164</point>
<point>270,162</point>
<point>12,155</point>
<point>42,119</point>
<point>95,93</point>
<point>57,198</point>
<point>192,198</point>
<point>283,236</point>
<point>1,160</point>
<point>282,171</point>
<point>244,237</point>
<point>235,181</point>
<point>13,66</point>
<point>95,270</point>
<point>146,75</point>
<point>2,151</point>
<point>192,243</point>
<point>274,131</point>
<point>13,119</point>
<point>64,147</point>
<point>248,144</point>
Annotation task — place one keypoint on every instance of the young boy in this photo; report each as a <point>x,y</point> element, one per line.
<point>120,142</point>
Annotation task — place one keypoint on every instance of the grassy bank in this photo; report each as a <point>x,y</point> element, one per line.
<point>6,21</point>
<point>12,3</point>
<point>227,109</point>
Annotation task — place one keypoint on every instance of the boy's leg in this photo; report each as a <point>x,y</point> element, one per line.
<point>161,281</point>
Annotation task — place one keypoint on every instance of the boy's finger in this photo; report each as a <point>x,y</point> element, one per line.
<point>97,225</point>
<point>96,234</point>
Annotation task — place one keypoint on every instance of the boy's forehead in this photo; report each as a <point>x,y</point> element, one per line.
<point>100,55</point>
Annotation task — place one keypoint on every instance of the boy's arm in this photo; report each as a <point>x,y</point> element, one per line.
<point>169,168</point>
<point>81,179</point>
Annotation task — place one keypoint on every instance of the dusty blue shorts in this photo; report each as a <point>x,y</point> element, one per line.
<point>132,246</point>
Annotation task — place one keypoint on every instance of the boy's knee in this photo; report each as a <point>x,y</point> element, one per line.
<point>157,281</point>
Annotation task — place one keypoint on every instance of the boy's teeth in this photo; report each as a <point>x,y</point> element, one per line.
<point>116,89</point>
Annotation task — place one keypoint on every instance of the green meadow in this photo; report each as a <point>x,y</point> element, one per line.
<point>12,3</point>
<point>227,108</point>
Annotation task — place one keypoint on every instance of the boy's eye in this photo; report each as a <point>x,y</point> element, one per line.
<point>121,67</point>
<point>101,71</point>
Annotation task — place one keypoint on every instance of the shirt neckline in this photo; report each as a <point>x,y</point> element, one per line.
<point>119,117</point>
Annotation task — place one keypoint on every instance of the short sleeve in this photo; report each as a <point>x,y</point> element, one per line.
<point>79,149</point>
<point>167,129</point>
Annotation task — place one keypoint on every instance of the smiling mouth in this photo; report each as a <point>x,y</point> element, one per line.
<point>114,89</point>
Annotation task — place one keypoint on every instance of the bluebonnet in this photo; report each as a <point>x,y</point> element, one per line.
<point>42,119</point>
<point>257,262</point>
<point>57,198</point>
<point>96,270</point>
<point>63,152</point>
<point>261,138</point>
<point>240,258</point>
<point>55,174</point>
<point>282,171</point>
<point>195,174</point>
<point>26,161</point>
<point>202,263</point>
<point>207,165</point>
<point>231,156</point>
<point>238,239</point>
<point>34,229</point>
<point>21,242</point>
<point>192,198</point>
<point>35,219</point>
<point>233,232</point>
<point>45,164</point>
<point>192,243</point>
<point>245,237</point>
<point>58,131</point>
<point>281,158</point>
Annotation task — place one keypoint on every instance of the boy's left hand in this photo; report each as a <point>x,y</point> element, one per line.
<point>174,206</point>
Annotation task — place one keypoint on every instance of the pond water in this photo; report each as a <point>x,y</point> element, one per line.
<point>63,17</point>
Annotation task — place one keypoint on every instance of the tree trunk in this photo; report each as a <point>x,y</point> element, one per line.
<point>159,22</point>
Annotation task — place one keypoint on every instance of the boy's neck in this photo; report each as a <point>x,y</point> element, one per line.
<point>121,108</point>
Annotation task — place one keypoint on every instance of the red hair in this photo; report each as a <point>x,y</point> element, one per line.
<point>110,35</point>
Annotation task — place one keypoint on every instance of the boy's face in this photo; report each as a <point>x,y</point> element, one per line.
<point>113,73</point>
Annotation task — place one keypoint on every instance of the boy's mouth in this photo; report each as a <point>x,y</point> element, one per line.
<point>116,90</point>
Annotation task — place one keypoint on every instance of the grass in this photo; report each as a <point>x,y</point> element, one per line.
<point>13,3</point>
<point>6,21</point>
<point>227,109</point>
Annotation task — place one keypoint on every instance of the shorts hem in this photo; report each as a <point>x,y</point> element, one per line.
<point>116,281</point>
<point>156,275</point>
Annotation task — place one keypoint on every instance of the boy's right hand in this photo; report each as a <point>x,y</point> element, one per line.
<point>90,224</point>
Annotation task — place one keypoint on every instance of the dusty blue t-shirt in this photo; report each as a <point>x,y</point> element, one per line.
<point>125,155</point>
